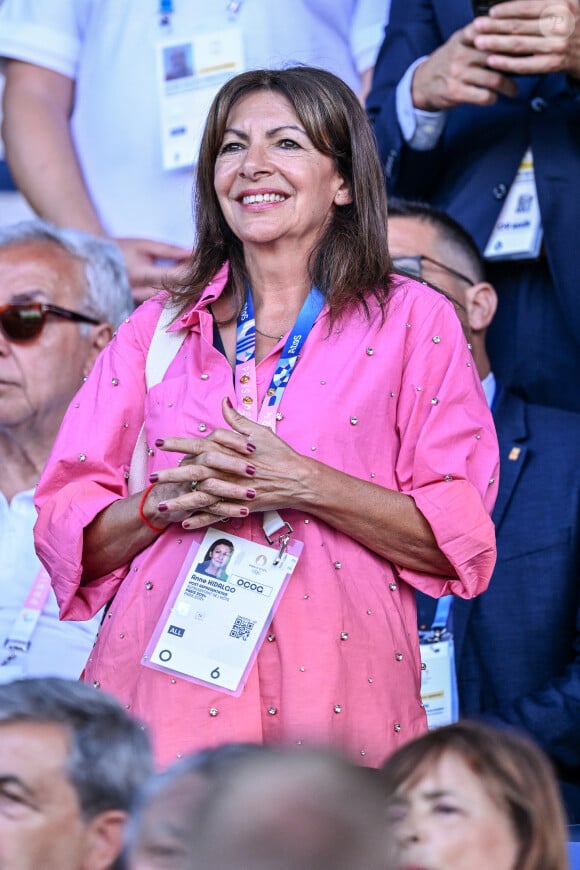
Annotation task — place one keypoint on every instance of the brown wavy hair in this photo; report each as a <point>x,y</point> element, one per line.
<point>351,262</point>
<point>516,774</point>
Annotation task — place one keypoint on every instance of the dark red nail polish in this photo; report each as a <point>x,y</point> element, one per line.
<point>251,493</point>
<point>250,469</point>
<point>244,512</point>
<point>250,447</point>
<point>154,477</point>
<point>161,507</point>
<point>229,402</point>
<point>159,442</point>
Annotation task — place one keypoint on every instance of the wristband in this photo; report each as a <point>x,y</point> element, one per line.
<point>142,514</point>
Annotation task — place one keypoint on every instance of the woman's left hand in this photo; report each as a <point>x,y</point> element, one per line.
<point>263,472</point>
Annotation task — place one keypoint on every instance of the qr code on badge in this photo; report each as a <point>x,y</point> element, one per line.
<point>242,628</point>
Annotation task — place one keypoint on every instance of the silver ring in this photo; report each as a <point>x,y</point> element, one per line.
<point>193,485</point>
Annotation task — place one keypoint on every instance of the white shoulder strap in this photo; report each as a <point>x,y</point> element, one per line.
<point>162,350</point>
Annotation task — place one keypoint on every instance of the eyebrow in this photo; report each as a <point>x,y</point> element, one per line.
<point>27,296</point>
<point>403,800</point>
<point>439,793</point>
<point>269,133</point>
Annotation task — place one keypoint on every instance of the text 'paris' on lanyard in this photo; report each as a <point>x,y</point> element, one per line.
<point>246,383</point>
<point>246,386</point>
<point>166,8</point>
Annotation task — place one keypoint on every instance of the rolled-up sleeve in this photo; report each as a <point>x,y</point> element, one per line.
<point>46,34</point>
<point>449,457</point>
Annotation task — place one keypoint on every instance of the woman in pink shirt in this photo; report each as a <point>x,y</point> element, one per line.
<point>311,382</point>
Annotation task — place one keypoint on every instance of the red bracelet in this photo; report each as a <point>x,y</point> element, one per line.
<point>142,515</point>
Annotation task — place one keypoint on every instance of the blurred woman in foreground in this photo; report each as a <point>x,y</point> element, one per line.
<point>470,797</point>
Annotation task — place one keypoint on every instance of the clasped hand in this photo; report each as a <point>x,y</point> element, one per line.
<point>233,472</point>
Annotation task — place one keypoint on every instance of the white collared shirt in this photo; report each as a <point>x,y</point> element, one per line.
<point>489,388</point>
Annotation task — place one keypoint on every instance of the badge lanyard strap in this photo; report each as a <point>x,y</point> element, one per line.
<point>25,623</point>
<point>442,613</point>
<point>246,387</point>
<point>166,10</point>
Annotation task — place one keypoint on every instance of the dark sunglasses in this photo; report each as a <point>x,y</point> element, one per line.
<point>412,266</point>
<point>25,321</point>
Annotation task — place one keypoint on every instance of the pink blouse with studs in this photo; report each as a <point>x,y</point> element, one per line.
<point>400,406</point>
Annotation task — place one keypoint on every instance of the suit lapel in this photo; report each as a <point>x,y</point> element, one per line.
<point>509,414</point>
<point>510,420</point>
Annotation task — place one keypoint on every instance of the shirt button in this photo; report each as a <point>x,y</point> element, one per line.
<point>499,191</point>
<point>538,104</point>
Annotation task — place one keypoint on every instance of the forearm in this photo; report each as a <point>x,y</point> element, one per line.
<point>117,534</point>
<point>385,521</point>
<point>39,147</point>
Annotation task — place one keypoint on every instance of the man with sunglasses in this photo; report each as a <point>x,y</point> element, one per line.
<point>62,293</point>
<point>517,646</point>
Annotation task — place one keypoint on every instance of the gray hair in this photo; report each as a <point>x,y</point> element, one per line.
<point>110,755</point>
<point>107,291</point>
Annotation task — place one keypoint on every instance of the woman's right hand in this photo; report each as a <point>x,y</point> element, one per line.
<point>192,487</point>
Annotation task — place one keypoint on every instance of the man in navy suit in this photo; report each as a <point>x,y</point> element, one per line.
<point>456,103</point>
<point>517,646</point>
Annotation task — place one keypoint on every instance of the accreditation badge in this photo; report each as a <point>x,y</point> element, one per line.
<point>517,234</point>
<point>219,610</point>
<point>190,71</point>
<point>438,681</point>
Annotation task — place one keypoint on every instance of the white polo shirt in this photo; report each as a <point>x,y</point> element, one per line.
<point>109,48</point>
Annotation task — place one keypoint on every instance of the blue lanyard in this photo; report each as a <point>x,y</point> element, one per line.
<point>245,358</point>
<point>442,613</point>
<point>165,11</point>
<point>232,8</point>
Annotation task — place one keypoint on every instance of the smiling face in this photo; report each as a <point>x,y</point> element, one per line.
<point>220,555</point>
<point>274,187</point>
<point>447,820</point>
